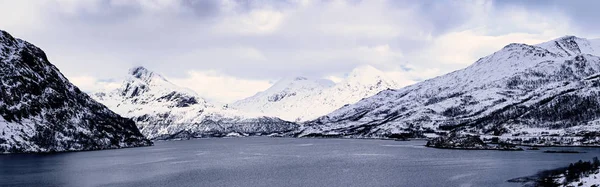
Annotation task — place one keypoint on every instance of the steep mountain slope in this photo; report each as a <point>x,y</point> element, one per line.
<point>550,88</point>
<point>301,99</point>
<point>41,111</point>
<point>163,110</point>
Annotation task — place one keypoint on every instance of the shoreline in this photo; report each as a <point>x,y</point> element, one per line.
<point>74,151</point>
<point>340,138</point>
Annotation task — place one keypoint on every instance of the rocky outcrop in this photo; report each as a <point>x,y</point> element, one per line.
<point>41,111</point>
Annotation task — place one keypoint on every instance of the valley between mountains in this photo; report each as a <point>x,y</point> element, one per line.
<point>540,95</point>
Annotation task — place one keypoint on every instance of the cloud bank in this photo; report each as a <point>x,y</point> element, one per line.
<point>230,49</point>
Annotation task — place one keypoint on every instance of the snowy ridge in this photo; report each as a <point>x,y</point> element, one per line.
<point>302,99</point>
<point>572,45</point>
<point>163,110</point>
<point>41,111</point>
<point>521,89</point>
<point>143,87</point>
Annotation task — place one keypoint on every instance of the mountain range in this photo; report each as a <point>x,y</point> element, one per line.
<point>544,94</point>
<point>163,110</point>
<point>519,91</point>
<point>301,99</point>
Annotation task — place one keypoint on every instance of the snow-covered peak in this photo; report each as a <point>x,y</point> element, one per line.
<point>292,87</point>
<point>572,46</point>
<point>143,87</point>
<point>141,81</point>
<point>141,72</point>
<point>518,87</point>
<point>516,57</point>
<point>364,71</point>
<point>301,98</point>
<point>289,81</point>
<point>368,77</point>
<point>162,109</point>
<point>145,75</point>
<point>303,82</point>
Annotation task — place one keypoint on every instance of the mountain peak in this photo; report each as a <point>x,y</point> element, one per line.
<point>142,80</point>
<point>143,86</point>
<point>4,34</point>
<point>513,45</point>
<point>571,42</point>
<point>568,38</point>
<point>299,83</point>
<point>290,97</point>
<point>144,74</point>
<point>138,71</point>
<point>7,39</point>
<point>571,45</point>
<point>365,75</point>
<point>300,78</point>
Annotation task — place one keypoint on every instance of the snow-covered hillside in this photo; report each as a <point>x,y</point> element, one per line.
<point>163,110</point>
<point>41,111</point>
<point>302,99</point>
<point>521,90</point>
<point>590,180</point>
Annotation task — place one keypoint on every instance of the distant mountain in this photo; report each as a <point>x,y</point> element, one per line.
<point>302,99</point>
<point>522,90</point>
<point>163,110</point>
<point>41,111</point>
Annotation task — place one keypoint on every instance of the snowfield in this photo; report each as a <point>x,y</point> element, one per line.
<point>587,181</point>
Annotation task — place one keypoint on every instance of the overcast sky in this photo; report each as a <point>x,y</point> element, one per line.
<point>231,49</point>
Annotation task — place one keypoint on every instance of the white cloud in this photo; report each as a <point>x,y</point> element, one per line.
<point>73,7</point>
<point>352,20</point>
<point>335,79</point>
<point>220,87</point>
<point>13,18</point>
<point>91,84</point>
<point>465,47</point>
<point>262,21</point>
<point>239,42</point>
<point>401,77</point>
<point>485,33</point>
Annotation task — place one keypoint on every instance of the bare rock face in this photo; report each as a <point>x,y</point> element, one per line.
<point>41,111</point>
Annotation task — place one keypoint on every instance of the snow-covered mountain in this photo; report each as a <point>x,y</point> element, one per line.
<point>163,110</point>
<point>302,99</point>
<point>41,111</point>
<point>551,88</point>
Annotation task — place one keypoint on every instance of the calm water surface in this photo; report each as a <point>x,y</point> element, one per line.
<point>265,161</point>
